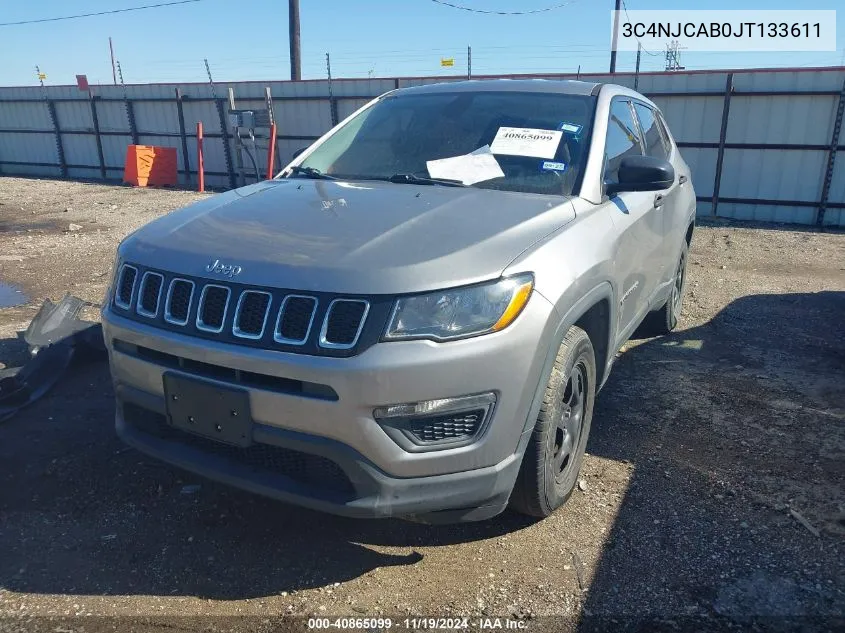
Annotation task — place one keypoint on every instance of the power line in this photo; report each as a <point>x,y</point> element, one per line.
<point>88,15</point>
<point>645,50</point>
<point>490,12</point>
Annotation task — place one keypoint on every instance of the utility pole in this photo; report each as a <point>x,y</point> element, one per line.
<point>637,74</point>
<point>295,53</point>
<point>332,100</point>
<point>469,62</point>
<point>113,73</point>
<point>615,38</point>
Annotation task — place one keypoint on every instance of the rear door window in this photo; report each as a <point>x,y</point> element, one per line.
<point>623,138</point>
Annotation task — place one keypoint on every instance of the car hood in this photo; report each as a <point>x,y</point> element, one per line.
<point>365,237</point>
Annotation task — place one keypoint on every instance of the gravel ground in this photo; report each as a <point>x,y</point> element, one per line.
<point>713,488</point>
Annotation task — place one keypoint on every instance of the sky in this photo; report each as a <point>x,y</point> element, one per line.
<point>248,39</point>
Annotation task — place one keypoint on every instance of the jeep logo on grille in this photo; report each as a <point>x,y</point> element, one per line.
<point>219,268</point>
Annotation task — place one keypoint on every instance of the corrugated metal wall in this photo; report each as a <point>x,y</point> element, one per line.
<point>765,152</point>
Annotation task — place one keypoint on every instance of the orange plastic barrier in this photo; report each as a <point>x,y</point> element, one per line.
<point>150,165</point>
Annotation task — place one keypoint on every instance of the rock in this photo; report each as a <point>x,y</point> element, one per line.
<point>723,267</point>
<point>582,485</point>
<point>74,227</point>
<point>67,209</point>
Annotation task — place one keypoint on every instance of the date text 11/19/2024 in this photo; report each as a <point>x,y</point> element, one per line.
<point>417,624</point>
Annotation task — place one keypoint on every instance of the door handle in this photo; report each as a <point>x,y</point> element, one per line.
<point>682,179</point>
<point>658,200</point>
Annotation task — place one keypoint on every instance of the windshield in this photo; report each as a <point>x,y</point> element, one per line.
<point>512,141</point>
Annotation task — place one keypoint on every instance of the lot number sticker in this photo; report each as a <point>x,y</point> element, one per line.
<point>517,141</point>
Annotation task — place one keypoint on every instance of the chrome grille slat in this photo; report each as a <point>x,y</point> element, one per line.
<point>143,308</point>
<point>169,315</point>
<point>236,313</point>
<point>238,328</point>
<point>329,340</point>
<point>279,334</point>
<point>119,292</point>
<point>200,322</point>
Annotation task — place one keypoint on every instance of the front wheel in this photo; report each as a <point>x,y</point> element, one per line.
<point>555,451</point>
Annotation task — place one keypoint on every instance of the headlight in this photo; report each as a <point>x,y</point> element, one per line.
<point>111,280</point>
<point>460,312</point>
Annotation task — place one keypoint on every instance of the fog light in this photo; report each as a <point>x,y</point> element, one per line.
<point>444,422</point>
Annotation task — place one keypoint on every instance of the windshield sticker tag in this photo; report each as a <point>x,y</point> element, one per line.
<point>516,141</point>
<point>469,169</point>
<point>570,128</point>
<point>549,165</point>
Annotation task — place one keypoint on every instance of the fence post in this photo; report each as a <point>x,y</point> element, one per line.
<point>60,148</point>
<point>181,113</point>
<point>831,157</point>
<point>200,162</point>
<point>720,157</point>
<point>227,151</point>
<point>99,140</point>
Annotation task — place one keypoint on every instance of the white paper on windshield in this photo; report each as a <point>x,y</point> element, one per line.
<point>518,141</point>
<point>469,169</point>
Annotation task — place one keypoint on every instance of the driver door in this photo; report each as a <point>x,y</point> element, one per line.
<point>638,252</point>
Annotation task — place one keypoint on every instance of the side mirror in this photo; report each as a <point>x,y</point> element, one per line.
<point>298,152</point>
<point>642,173</point>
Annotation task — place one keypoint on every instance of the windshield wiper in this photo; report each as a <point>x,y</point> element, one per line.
<point>310,172</point>
<point>412,179</point>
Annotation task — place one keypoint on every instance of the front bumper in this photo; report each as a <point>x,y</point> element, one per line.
<point>473,481</point>
<point>366,491</point>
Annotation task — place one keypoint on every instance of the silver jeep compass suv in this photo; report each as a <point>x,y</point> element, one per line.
<point>414,317</point>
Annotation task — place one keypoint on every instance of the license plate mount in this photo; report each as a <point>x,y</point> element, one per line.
<point>204,408</point>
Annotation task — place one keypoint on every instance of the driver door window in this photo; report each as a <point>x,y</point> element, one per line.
<point>623,139</point>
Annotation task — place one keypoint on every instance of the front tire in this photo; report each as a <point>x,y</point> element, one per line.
<point>555,451</point>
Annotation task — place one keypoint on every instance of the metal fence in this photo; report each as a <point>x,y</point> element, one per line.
<point>762,144</point>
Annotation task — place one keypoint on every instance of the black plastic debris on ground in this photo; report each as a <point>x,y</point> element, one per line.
<point>55,336</point>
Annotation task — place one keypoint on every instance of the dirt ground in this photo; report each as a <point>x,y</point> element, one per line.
<point>714,488</point>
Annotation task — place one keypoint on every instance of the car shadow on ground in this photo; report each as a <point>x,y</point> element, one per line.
<point>728,426</point>
<point>83,514</point>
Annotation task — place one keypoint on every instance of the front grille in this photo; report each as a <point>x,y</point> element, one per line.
<point>319,473</point>
<point>178,304</point>
<point>295,318</point>
<point>251,314</point>
<point>150,294</point>
<point>452,426</point>
<point>343,323</point>
<point>125,286</point>
<point>214,303</point>
<point>319,324</point>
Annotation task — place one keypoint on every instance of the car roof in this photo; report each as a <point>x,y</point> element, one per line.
<point>553,86</point>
